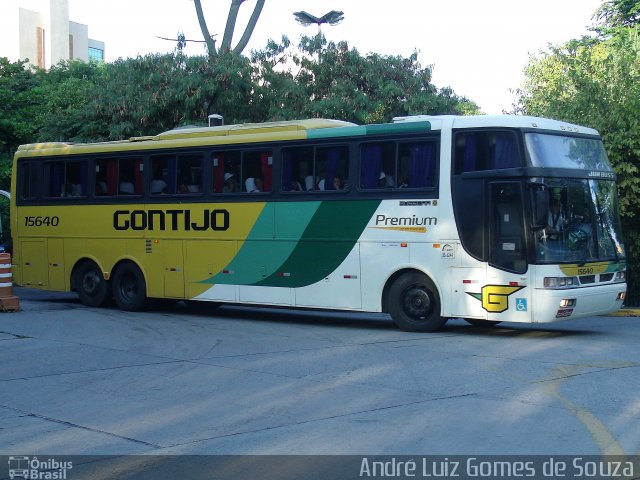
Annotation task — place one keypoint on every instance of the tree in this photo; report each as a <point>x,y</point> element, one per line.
<point>619,13</point>
<point>347,85</point>
<point>229,28</point>
<point>20,105</point>
<point>596,82</point>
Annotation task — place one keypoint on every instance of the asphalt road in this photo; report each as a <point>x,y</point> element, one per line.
<point>77,380</point>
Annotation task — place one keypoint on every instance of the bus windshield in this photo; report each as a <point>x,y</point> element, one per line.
<point>560,151</point>
<point>582,224</point>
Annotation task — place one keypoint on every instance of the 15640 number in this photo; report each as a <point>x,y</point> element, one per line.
<point>41,221</point>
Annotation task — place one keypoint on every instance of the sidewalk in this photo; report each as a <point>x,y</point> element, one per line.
<point>626,312</point>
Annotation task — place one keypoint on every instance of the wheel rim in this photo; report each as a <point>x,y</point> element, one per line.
<point>128,287</point>
<point>91,283</point>
<point>416,302</point>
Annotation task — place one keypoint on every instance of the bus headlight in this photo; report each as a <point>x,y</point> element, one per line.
<point>568,302</point>
<point>620,277</point>
<point>560,282</point>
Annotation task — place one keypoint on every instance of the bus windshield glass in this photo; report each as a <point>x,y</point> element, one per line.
<point>559,151</point>
<point>582,224</point>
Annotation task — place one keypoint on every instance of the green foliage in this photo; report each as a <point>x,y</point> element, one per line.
<point>619,13</point>
<point>20,105</point>
<point>596,82</point>
<point>342,83</point>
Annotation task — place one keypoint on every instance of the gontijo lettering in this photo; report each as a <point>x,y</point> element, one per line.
<point>170,220</point>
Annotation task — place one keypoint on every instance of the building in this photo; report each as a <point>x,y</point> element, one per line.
<point>40,31</point>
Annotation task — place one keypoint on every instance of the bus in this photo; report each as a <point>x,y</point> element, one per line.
<point>485,218</point>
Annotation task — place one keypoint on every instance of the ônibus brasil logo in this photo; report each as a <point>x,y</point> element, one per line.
<point>36,469</point>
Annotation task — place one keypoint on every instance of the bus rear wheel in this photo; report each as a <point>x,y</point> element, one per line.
<point>129,288</point>
<point>414,303</point>
<point>92,288</point>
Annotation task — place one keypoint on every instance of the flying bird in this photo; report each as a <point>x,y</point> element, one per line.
<point>332,18</point>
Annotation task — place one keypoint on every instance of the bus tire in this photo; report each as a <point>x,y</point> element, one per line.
<point>476,322</point>
<point>93,289</point>
<point>129,287</point>
<point>414,303</point>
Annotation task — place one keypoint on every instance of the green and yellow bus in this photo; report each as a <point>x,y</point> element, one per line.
<point>486,218</point>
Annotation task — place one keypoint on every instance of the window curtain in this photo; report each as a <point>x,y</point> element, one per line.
<point>506,153</point>
<point>267,171</point>
<point>470,160</point>
<point>56,179</point>
<point>171,174</point>
<point>138,175</point>
<point>333,161</point>
<point>112,177</point>
<point>370,165</point>
<point>84,178</point>
<point>287,171</point>
<point>218,173</point>
<point>422,162</point>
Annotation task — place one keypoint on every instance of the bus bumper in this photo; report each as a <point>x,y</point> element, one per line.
<point>555,305</point>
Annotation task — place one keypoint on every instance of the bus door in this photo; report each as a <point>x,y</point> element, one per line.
<point>507,293</point>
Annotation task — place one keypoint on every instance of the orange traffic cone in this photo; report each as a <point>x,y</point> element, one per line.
<point>8,302</point>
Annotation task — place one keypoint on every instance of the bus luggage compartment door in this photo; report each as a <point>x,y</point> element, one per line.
<point>55,257</point>
<point>173,264</point>
<point>34,263</point>
<point>466,285</point>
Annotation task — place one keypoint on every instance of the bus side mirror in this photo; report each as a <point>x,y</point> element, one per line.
<point>540,209</point>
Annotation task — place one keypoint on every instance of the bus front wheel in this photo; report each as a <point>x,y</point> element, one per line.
<point>414,303</point>
<point>92,288</point>
<point>129,288</point>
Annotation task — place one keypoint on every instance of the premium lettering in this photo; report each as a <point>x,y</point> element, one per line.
<point>405,221</point>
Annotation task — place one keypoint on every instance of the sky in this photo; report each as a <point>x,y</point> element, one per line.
<point>479,48</point>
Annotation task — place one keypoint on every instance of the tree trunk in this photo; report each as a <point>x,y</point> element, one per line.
<point>211,44</point>
<point>250,26</point>
<point>231,24</point>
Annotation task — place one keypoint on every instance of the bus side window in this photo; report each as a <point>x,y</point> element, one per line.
<point>486,150</point>
<point>333,164</point>
<point>417,165</point>
<point>66,178</point>
<point>257,168</point>
<point>378,166</point>
<point>298,173</point>
<point>190,174</point>
<point>163,174</point>
<point>27,181</point>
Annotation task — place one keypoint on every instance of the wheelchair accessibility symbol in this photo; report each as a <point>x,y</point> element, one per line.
<point>521,304</point>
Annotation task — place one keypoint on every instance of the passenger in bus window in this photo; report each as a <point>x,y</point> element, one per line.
<point>382,180</point>
<point>337,183</point>
<point>296,186</point>
<point>158,185</point>
<point>320,184</point>
<point>126,188</point>
<point>308,183</point>
<point>101,188</point>
<point>253,184</point>
<point>230,185</point>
